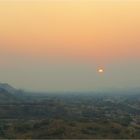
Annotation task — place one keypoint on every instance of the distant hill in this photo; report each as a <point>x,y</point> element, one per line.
<point>8,93</point>
<point>8,88</point>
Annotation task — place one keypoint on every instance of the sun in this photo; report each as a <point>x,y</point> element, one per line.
<point>100,70</point>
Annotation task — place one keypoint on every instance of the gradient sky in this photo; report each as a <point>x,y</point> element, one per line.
<point>58,45</point>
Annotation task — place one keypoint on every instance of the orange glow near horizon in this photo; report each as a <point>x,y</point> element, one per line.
<point>83,30</point>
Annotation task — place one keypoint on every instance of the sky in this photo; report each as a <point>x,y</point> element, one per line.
<point>59,45</point>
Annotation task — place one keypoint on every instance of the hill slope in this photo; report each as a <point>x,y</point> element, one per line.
<point>8,93</point>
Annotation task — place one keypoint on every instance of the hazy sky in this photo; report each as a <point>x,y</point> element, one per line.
<point>58,45</point>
